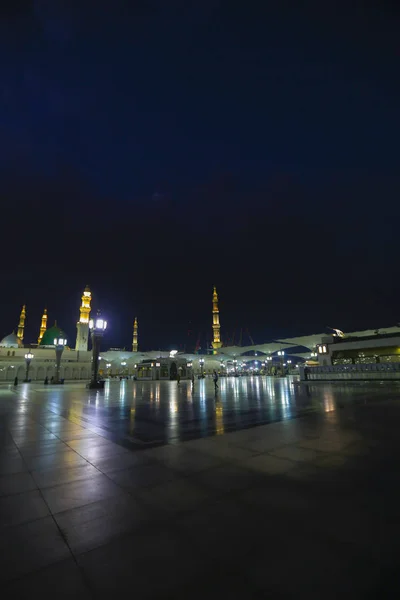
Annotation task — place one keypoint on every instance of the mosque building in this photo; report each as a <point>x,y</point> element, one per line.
<point>76,361</point>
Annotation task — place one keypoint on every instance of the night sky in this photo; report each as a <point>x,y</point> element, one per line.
<point>152,149</point>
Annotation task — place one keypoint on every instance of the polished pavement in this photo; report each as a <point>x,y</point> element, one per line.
<point>168,492</point>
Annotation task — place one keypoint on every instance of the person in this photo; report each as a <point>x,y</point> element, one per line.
<point>46,380</point>
<point>16,381</point>
<point>51,380</point>
<point>215,379</point>
<point>178,379</point>
<point>192,378</point>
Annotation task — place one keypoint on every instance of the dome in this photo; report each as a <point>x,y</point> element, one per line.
<point>11,341</point>
<point>50,335</point>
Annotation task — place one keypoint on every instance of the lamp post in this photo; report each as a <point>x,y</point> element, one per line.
<point>201,363</point>
<point>269,364</point>
<point>289,362</point>
<point>59,345</point>
<point>28,359</point>
<point>235,366</point>
<point>97,327</point>
<point>281,354</point>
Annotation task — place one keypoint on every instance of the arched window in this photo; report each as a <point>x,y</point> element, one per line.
<point>8,353</point>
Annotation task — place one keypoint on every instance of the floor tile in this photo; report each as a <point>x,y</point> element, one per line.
<point>142,476</point>
<point>51,477</point>
<point>88,443</point>
<point>120,461</point>
<point>174,496</point>
<point>157,561</point>
<point>300,566</point>
<point>96,453</point>
<point>31,546</point>
<point>268,464</point>
<point>221,529</point>
<point>296,453</point>
<point>223,450</point>
<point>22,508</point>
<point>64,579</point>
<point>183,460</point>
<point>95,524</point>
<point>65,458</point>
<point>225,479</point>
<point>30,451</point>
<point>16,483</point>
<point>12,464</point>
<point>78,493</point>
<point>85,434</point>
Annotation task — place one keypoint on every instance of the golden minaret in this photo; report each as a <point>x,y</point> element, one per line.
<point>21,325</point>
<point>216,344</point>
<point>82,338</point>
<point>43,326</point>
<point>135,336</point>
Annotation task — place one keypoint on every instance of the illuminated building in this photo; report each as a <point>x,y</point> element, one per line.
<point>216,327</point>
<point>43,325</point>
<point>82,337</point>
<point>21,324</point>
<point>135,336</point>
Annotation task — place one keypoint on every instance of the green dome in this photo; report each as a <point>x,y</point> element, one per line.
<point>50,335</point>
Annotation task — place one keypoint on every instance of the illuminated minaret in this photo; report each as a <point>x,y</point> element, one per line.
<point>82,337</point>
<point>43,326</point>
<point>21,324</point>
<point>135,336</point>
<point>216,344</point>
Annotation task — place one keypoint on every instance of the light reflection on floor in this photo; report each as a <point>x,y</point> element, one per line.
<point>162,411</point>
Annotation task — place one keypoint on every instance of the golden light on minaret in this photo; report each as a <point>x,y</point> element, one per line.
<point>21,324</point>
<point>43,325</point>
<point>216,344</point>
<point>135,336</point>
<point>82,337</point>
<point>85,306</point>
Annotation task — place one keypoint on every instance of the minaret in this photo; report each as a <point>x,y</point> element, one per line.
<point>135,336</point>
<point>82,337</point>
<point>43,326</point>
<point>21,324</point>
<point>216,344</point>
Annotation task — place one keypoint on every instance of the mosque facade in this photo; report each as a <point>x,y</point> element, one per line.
<point>76,362</point>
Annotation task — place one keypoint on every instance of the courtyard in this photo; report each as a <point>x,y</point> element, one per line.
<point>267,489</point>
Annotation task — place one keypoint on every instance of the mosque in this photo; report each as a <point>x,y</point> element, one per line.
<point>76,363</point>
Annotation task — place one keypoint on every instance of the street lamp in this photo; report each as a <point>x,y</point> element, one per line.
<point>201,363</point>
<point>235,366</point>
<point>59,345</point>
<point>97,327</point>
<point>281,354</point>
<point>28,359</point>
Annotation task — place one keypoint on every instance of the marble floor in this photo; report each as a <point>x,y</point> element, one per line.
<point>170,492</point>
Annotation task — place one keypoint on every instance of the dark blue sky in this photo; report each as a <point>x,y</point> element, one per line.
<point>152,149</point>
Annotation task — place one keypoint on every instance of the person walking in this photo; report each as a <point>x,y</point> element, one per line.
<point>215,379</point>
<point>16,381</point>
<point>178,379</point>
<point>192,378</point>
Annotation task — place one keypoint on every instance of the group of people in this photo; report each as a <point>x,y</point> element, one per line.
<point>192,377</point>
